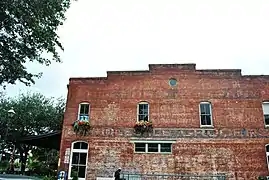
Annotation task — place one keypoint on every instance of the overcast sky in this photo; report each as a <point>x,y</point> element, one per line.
<point>102,35</point>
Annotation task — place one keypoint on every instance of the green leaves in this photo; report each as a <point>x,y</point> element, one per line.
<point>28,30</point>
<point>35,114</point>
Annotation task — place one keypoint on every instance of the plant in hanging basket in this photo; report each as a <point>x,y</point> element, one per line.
<point>143,126</point>
<point>81,127</point>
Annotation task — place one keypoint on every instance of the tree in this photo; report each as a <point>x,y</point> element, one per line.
<point>27,32</point>
<point>43,161</point>
<point>35,114</point>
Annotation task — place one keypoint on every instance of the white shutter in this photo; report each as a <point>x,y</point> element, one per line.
<point>265,108</point>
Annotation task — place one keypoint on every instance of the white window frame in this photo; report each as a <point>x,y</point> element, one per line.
<point>211,115</point>
<point>263,103</point>
<point>71,156</point>
<point>267,156</point>
<point>137,111</point>
<point>79,106</point>
<point>155,142</point>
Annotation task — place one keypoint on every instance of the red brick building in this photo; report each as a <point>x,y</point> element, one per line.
<point>204,122</point>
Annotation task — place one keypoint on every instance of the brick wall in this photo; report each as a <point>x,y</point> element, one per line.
<point>236,106</point>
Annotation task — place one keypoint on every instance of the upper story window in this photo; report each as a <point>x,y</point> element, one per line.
<point>78,160</point>
<point>143,111</point>
<point>265,108</point>
<point>205,114</point>
<point>84,110</point>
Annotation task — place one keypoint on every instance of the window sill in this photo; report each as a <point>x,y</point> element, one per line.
<point>83,120</point>
<point>153,153</point>
<point>208,126</point>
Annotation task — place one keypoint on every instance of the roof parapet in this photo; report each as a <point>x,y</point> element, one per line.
<point>231,72</point>
<point>154,67</point>
<point>164,68</point>
<point>138,72</point>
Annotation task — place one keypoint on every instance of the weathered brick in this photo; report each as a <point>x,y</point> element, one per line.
<point>235,146</point>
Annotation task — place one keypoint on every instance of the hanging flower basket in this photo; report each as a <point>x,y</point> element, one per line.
<point>143,126</point>
<point>81,128</point>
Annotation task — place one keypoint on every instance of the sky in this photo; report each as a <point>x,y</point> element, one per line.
<point>108,35</point>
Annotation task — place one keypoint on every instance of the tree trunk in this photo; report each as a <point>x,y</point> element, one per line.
<point>23,157</point>
<point>23,162</point>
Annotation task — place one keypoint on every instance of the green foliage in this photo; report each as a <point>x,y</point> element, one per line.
<point>81,128</point>
<point>35,114</point>
<point>28,29</point>
<point>44,161</point>
<point>17,164</point>
<point>4,165</point>
<point>34,164</point>
<point>74,175</point>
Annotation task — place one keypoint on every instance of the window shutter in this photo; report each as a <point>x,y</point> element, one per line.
<point>265,108</point>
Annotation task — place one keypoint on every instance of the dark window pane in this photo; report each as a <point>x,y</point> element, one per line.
<point>206,120</point>
<point>84,109</point>
<point>205,108</point>
<point>140,117</point>
<point>202,109</point>
<point>81,109</point>
<point>84,145</point>
<point>166,147</point>
<point>140,108</point>
<point>75,158</point>
<point>145,107</point>
<point>267,149</point>
<point>82,158</point>
<point>80,145</point>
<point>146,118</point>
<point>140,147</point>
<point>81,171</point>
<point>76,145</point>
<point>152,147</point>
<point>266,118</point>
<point>146,110</point>
<point>143,112</point>
<point>143,117</point>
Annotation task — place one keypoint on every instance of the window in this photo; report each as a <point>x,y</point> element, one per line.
<point>166,147</point>
<point>267,154</point>
<point>78,160</point>
<point>143,111</point>
<point>140,147</point>
<point>205,114</point>
<point>265,108</point>
<point>84,109</point>
<point>172,82</point>
<point>153,147</point>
